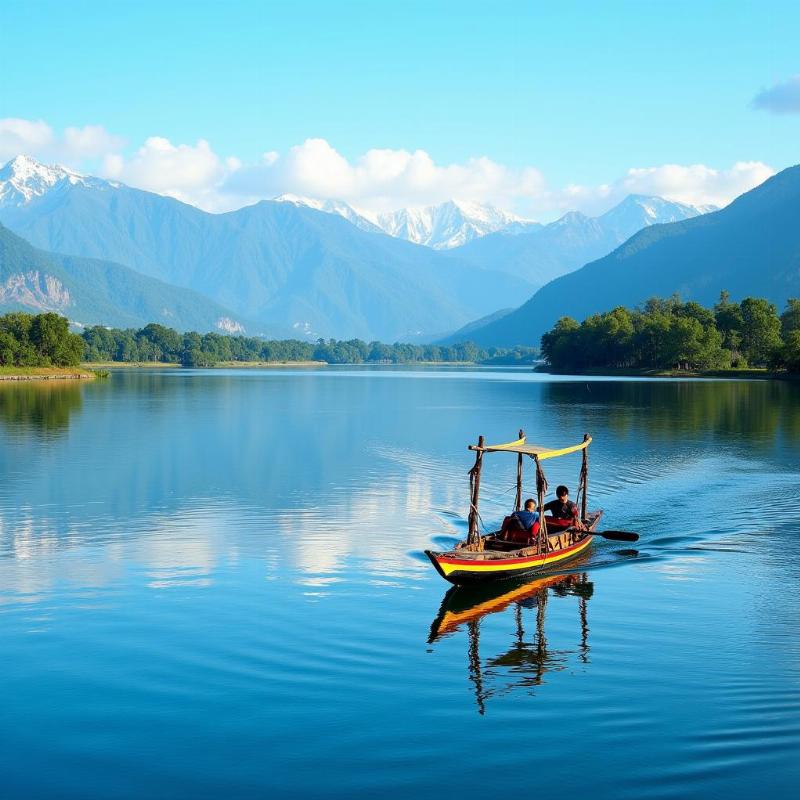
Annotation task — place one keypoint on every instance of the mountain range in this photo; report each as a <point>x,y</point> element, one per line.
<point>442,227</point>
<point>276,263</point>
<point>750,248</point>
<point>544,252</point>
<point>302,266</point>
<point>490,238</point>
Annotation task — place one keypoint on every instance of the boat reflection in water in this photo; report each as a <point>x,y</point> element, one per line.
<point>526,662</point>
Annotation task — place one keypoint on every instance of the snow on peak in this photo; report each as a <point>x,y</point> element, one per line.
<point>447,225</point>
<point>442,226</point>
<point>299,200</point>
<point>638,211</point>
<point>23,179</point>
<point>357,217</point>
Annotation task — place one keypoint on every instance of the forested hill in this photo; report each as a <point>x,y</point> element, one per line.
<point>90,291</point>
<point>750,248</point>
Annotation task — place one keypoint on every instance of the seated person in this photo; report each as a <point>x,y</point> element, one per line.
<point>563,507</point>
<point>524,521</point>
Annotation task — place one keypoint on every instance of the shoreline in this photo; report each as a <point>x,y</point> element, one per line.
<point>745,374</point>
<point>275,364</point>
<point>129,364</point>
<point>45,374</point>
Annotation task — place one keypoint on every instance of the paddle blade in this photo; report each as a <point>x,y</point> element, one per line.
<point>618,536</point>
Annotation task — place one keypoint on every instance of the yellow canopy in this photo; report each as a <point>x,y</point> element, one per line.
<point>521,446</point>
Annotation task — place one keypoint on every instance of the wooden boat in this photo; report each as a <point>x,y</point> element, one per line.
<point>490,557</point>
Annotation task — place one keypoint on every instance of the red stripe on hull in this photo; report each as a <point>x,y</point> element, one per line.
<point>471,562</point>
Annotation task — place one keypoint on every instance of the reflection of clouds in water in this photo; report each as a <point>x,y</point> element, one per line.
<point>176,549</point>
<point>28,536</point>
<point>35,559</point>
<point>377,525</point>
<point>182,548</point>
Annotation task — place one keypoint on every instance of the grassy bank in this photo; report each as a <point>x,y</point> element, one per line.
<point>757,373</point>
<point>270,364</point>
<point>129,364</point>
<point>266,364</point>
<point>45,373</point>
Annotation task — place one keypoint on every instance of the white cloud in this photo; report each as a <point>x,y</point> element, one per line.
<point>379,180</point>
<point>187,172</point>
<point>91,141</point>
<point>37,139</point>
<point>782,98</point>
<point>697,184</point>
<point>24,137</point>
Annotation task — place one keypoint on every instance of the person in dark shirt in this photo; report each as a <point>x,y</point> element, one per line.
<point>562,507</point>
<point>528,516</point>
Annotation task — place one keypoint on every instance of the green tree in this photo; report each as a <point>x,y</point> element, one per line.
<point>8,349</point>
<point>652,337</point>
<point>790,319</point>
<point>559,346</point>
<point>730,323</point>
<point>167,342</point>
<point>761,331</point>
<point>791,351</point>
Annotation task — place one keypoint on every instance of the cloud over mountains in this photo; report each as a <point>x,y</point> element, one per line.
<point>379,180</point>
<point>37,138</point>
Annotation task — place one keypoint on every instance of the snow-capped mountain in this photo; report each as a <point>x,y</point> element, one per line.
<point>540,253</point>
<point>638,211</point>
<point>276,266</point>
<point>749,247</point>
<point>448,224</point>
<point>23,179</point>
<point>442,227</point>
<point>358,218</point>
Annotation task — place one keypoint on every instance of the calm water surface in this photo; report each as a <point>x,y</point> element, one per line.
<point>212,585</point>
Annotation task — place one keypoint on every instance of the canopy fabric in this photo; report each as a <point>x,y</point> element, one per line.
<point>521,446</point>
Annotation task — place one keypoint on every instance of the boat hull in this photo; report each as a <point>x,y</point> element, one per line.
<point>461,571</point>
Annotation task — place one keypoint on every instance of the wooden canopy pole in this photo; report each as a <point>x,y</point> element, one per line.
<point>585,471</point>
<point>541,488</point>
<point>518,501</point>
<point>473,537</point>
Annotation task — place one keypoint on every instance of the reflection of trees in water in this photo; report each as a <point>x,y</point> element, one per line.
<point>43,407</point>
<point>724,408</point>
<point>530,657</point>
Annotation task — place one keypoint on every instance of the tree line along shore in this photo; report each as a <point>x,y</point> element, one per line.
<point>664,336</point>
<point>44,341</point>
<point>669,335</point>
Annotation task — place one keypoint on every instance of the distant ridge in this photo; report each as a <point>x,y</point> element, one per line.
<point>93,292</point>
<point>447,225</point>
<point>541,253</point>
<point>442,227</point>
<point>277,263</point>
<point>751,247</point>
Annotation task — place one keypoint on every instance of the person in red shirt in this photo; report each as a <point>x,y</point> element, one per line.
<point>562,507</point>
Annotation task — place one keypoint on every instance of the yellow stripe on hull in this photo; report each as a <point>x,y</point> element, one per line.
<point>511,565</point>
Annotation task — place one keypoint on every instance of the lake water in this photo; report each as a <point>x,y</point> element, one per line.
<point>212,585</point>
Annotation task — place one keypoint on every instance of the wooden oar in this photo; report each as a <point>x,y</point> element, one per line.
<point>617,536</point>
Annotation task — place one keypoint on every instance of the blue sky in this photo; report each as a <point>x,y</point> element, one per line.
<point>579,92</point>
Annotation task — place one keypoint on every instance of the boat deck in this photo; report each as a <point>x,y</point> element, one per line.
<point>498,549</point>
